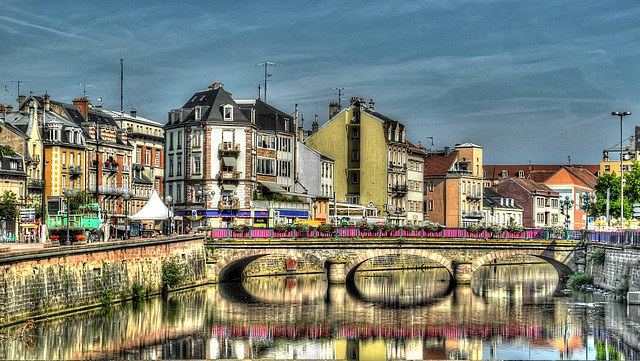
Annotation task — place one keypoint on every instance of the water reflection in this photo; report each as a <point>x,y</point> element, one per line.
<point>497,317</point>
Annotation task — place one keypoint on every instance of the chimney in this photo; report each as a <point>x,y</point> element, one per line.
<point>314,125</point>
<point>371,104</point>
<point>217,85</point>
<point>133,112</point>
<point>9,108</point>
<point>83,105</point>
<point>21,99</point>
<point>47,103</point>
<point>447,151</point>
<point>1,108</point>
<point>334,109</point>
<point>363,105</point>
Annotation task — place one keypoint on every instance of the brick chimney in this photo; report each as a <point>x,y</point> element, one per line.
<point>217,85</point>
<point>83,105</point>
<point>21,99</point>
<point>314,125</point>
<point>9,108</point>
<point>1,108</point>
<point>334,109</point>
<point>47,103</point>
<point>371,104</point>
<point>133,112</point>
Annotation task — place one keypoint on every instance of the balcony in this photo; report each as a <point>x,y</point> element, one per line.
<point>397,167</point>
<point>229,147</point>
<point>399,189</point>
<point>472,195</point>
<point>35,183</point>
<point>472,214</point>
<point>110,167</point>
<point>229,175</point>
<point>229,204</point>
<point>108,190</point>
<point>126,168</point>
<point>75,170</point>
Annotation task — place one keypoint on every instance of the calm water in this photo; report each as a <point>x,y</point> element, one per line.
<point>508,312</point>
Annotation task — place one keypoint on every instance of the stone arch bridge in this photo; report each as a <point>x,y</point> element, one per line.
<point>340,258</point>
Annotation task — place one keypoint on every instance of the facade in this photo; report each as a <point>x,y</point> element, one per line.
<point>500,210</point>
<point>315,177</point>
<point>541,204</point>
<point>370,158</point>
<point>14,178</point>
<point>415,184</point>
<point>453,186</point>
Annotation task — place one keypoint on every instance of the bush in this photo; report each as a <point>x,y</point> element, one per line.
<point>326,228</point>
<point>282,228</point>
<point>138,292</point>
<point>172,273</point>
<point>369,227</point>
<point>411,227</point>
<point>475,228</point>
<point>495,230</point>
<point>597,256</point>
<point>433,227</point>
<point>578,281</point>
<point>303,228</point>
<point>623,286</point>
<point>107,298</point>
<point>389,227</point>
<point>557,231</point>
<point>240,228</point>
<point>515,228</point>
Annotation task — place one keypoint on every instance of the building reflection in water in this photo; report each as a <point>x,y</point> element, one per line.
<point>508,312</point>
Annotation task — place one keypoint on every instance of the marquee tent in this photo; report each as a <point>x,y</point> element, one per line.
<point>154,209</point>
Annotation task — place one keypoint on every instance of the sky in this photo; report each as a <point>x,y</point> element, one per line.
<point>529,81</point>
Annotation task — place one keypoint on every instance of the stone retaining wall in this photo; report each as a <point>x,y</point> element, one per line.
<point>620,262</point>
<point>57,279</point>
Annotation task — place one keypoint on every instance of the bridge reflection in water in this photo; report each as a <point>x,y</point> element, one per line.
<point>390,315</point>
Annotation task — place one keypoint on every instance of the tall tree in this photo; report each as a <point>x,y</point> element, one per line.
<point>9,206</point>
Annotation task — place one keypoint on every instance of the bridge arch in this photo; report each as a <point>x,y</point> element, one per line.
<point>353,263</point>
<point>564,265</point>
<point>230,267</point>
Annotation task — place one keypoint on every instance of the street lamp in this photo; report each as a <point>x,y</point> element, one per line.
<point>315,207</point>
<point>168,199</point>
<point>69,193</point>
<point>125,198</point>
<point>621,114</point>
<point>565,205</point>
<point>587,199</point>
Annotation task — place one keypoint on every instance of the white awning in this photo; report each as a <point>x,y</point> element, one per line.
<point>229,161</point>
<point>229,187</point>
<point>273,187</point>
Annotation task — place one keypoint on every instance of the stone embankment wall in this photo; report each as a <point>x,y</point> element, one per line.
<point>57,279</point>
<point>620,263</point>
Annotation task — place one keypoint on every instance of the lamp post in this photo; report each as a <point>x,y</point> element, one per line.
<point>168,199</point>
<point>69,193</point>
<point>125,198</point>
<point>587,198</point>
<point>205,194</point>
<point>621,115</point>
<point>315,207</point>
<point>565,205</point>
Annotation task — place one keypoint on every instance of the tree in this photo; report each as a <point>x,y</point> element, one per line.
<point>9,205</point>
<point>80,199</point>
<point>612,181</point>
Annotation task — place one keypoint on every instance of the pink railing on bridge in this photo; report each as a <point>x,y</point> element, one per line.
<point>355,232</point>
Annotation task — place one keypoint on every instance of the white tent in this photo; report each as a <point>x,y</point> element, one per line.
<point>154,209</point>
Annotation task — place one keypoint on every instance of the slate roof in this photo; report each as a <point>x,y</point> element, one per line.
<point>213,99</point>
<point>267,117</point>
<point>533,186</point>
<point>492,198</point>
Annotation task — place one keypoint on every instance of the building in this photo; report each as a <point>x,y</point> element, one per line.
<point>541,204</point>
<point>568,181</point>
<point>415,184</point>
<point>315,178</point>
<point>370,153</point>
<point>499,209</point>
<point>453,185</point>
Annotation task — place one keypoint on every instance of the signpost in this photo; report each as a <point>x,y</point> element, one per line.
<point>636,209</point>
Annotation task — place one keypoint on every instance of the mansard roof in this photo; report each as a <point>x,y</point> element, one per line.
<point>212,100</point>
<point>267,117</point>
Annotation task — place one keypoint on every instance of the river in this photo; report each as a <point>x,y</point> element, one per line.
<point>508,312</point>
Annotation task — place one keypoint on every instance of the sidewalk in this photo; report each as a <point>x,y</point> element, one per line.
<point>19,247</point>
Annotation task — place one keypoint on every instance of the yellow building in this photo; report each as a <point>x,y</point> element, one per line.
<point>370,153</point>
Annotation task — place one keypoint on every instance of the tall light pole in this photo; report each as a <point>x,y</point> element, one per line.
<point>125,198</point>
<point>69,193</point>
<point>621,114</point>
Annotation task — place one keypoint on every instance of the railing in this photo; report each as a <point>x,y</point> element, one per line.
<point>225,204</point>
<point>35,183</point>
<point>628,238</point>
<point>229,147</point>
<point>356,232</point>
<point>75,169</point>
<point>229,175</point>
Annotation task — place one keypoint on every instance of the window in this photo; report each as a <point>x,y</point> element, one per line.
<point>355,133</point>
<point>266,166</point>
<point>352,199</point>
<point>354,178</point>
<point>179,165</point>
<point>138,155</point>
<point>430,186</point>
<point>156,184</point>
<point>157,158</point>
<point>504,174</point>
<point>431,205</point>
<point>179,140</point>
<point>196,164</point>
<point>285,144</point>
<point>64,159</point>
<point>171,167</point>
<point>355,156</point>
<point>607,168</point>
<point>520,174</point>
<point>228,112</point>
<point>266,141</point>
<point>198,113</point>
<point>284,168</point>
<point>170,141</point>
<point>148,157</point>
<point>195,140</point>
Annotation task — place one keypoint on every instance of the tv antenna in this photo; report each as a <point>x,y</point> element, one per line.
<point>266,75</point>
<point>18,83</point>
<point>340,94</point>
<point>84,89</point>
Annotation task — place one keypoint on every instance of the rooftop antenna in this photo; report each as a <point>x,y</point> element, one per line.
<point>6,90</point>
<point>84,89</point>
<point>18,83</point>
<point>266,75</point>
<point>340,94</point>
<point>569,158</point>
<point>259,90</point>
<point>431,141</point>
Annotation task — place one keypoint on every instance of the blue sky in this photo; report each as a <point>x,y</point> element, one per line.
<point>530,81</point>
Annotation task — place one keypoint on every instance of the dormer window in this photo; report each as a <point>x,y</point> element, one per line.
<point>198,113</point>
<point>228,112</point>
<point>504,174</point>
<point>521,174</point>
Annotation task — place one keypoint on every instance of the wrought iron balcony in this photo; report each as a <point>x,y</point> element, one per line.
<point>229,175</point>
<point>399,189</point>
<point>110,167</point>
<point>229,147</point>
<point>35,183</point>
<point>107,190</point>
<point>229,204</point>
<point>126,168</point>
<point>472,214</point>
<point>472,195</point>
<point>75,169</point>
